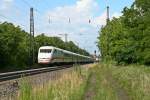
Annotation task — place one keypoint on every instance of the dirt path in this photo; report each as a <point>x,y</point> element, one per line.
<point>90,88</point>
<point>91,91</point>
<point>121,93</point>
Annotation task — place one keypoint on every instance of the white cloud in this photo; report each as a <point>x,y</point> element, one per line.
<point>100,20</point>
<point>7,0</point>
<point>5,4</point>
<point>79,14</point>
<point>86,6</point>
<point>116,15</point>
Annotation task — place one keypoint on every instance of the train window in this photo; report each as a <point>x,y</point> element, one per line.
<point>45,51</point>
<point>56,52</point>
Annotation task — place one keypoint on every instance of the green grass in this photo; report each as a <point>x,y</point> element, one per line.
<point>69,87</point>
<point>101,88</point>
<point>134,79</point>
<point>104,89</point>
<point>25,93</point>
<point>100,82</point>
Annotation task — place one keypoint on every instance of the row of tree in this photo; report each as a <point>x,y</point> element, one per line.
<point>15,46</point>
<point>127,39</point>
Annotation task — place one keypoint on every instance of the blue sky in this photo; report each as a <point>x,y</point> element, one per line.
<point>51,17</point>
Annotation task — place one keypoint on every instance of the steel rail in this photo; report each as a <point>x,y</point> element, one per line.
<point>19,74</point>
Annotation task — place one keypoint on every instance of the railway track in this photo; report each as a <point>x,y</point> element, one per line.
<point>19,74</point>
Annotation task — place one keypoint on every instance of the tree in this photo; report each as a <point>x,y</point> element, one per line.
<point>13,43</point>
<point>126,39</point>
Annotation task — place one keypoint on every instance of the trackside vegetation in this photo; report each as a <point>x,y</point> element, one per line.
<point>98,86</point>
<point>100,82</point>
<point>14,46</point>
<point>125,42</point>
<point>69,87</point>
<point>127,39</point>
<point>130,82</point>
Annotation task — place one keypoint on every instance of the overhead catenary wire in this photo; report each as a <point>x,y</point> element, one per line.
<point>12,20</point>
<point>20,11</point>
<point>50,17</point>
<point>35,9</point>
<point>28,4</point>
<point>31,6</point>
<point>50,20</point>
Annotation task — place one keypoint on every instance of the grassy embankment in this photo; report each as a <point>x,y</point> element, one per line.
<point>69,87</point>
<point>121,82</point>
<point>134,79</point>
<point>97,87</point>
<point>102,82</point>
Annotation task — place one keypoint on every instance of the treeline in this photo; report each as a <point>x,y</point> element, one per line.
<point>127,39</point>
<point>15,42</point>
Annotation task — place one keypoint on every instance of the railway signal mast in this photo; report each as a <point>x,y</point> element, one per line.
<point>31,51</point>
<point>107,21</point>
<point>107,14</point>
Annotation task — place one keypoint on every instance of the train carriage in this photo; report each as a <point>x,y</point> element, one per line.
<point>50,55</point>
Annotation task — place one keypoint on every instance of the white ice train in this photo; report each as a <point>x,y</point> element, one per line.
<point>51,55</point>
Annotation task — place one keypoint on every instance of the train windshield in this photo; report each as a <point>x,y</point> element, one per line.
<point>45,51</point>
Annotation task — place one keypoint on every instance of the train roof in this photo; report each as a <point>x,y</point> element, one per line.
<point>52,47</point>
<point>46,47</point>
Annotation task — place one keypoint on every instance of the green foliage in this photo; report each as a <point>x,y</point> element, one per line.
<point>14,46</point>
<point>126,39</point>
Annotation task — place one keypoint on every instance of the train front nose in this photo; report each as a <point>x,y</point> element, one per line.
<point>44,55</point>
<point>44,60</point>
